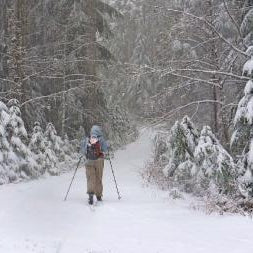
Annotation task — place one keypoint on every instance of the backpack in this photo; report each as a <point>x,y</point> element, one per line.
<point>94,151</point>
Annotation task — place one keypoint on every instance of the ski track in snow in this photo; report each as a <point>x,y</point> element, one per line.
<point>35,219</point>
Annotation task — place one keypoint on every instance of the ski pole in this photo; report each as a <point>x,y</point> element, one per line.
<point>119,197</point>
<point>73,178</point>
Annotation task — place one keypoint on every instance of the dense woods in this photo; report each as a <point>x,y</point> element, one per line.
<point>76,63</point>
<point>50,56</point>
<point>184,57</point>
<point>190,58</point>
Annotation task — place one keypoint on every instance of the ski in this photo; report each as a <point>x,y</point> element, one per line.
<point>92,208</point>
<point>95,204</point>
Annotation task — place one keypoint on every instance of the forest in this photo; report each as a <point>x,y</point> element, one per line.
<point>182,67</point>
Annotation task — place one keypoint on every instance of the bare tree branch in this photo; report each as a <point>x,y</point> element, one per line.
<point>212,28</point>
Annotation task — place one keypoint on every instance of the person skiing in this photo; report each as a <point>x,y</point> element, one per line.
<point>94,148</point>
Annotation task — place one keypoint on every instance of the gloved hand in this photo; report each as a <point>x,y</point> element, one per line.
<point>106,156</point>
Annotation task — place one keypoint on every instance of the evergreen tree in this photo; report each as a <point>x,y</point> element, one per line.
<point>54,153</point>
<point>68,149</point>
<point>4,144</point>
<point>54,141</point>
<point>195,162</point>
<point>217,171</point>
<point>51,161</point>
<point>37,146</point>
<point>37,142</point>
<point>4,114</point>
<point>53,51</point>
<point>182,142</point>
<point>247,23</point>
<point>242,137</point>
<point>26,166</point>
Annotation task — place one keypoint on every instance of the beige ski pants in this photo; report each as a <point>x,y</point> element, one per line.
<point>94,175</point>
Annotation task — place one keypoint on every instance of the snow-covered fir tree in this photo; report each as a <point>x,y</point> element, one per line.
<point>194,162</point>
<point>25,164</point>
<point>68,149</point>
<point>173,162</point>
<point>181,168</point>
<point>53,150</point>
<point>51,161</point>
<point>54,141</point>
<point>37,146</point>
<point>37,141</point>
<point>182,142</point>
<point>4,144</point>
<point>247,25</point>
<point>57,150</point>
<point>24,158</point>
<point>216,171</point>
<point>242,138</point>
<point>4,114</point>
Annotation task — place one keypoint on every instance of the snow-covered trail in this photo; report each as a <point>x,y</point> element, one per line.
<point>34,217</point>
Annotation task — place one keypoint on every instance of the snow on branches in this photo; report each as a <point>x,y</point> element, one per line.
<point>195,161</point>
<point>182,141</point>
<point>4,144</point>
<point>242,138</point>
<point>22,157</point>
<point>216,171</point>
<point>25,164</point>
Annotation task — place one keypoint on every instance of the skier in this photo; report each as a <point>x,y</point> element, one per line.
<point>94,148</point>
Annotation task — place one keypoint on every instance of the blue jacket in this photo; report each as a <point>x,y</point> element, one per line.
<point>97,132</point>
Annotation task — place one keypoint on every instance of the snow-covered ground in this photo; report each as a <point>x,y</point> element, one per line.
<point>34,217</point>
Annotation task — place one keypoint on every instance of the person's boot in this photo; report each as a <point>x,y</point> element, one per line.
<point>90,201</point>
<point>99,198</point>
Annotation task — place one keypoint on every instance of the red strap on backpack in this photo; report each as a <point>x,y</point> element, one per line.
<point>98,150</point>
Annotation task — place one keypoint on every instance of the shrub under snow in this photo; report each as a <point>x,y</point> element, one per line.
<point>192,161</point>
<point>24,158</point>
<point>20,155</point>
<point>216,170</point>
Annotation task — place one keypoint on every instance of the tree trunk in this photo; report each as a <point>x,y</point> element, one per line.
<point>5,43</point>
<point>91,43</point>
<point>217,89</point>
